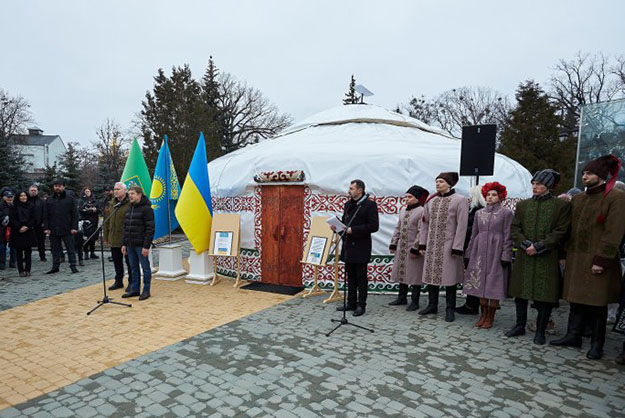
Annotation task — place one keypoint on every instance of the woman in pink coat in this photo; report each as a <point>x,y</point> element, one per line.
<point>407,265</point>
<point>441,242</point>
<point>489,253</point>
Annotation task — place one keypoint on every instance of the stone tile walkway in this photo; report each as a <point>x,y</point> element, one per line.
<point>278,362</point>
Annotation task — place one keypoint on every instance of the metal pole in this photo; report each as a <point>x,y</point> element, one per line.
<point>168,188</point>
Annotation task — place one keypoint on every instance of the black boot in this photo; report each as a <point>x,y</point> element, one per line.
<point>521,318</point>
<point>574,329</point>
<point>450,299</point>
<point>414,298</point>
<point>55,269</point>
<point>471,306</point>
<point>401,296</point>
<point>544,312</point>
<point>80,263</point>
<point>94,256</point>
<point>432,307</point>
<point>597,339</point>
<point>86,255</point>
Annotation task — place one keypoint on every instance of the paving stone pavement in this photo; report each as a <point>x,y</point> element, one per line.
<point>278,362</point>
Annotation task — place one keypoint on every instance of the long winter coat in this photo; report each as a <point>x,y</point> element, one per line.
<point>61,214</point>
<point>38,206</point>
<point>595,243</point>
<point>442,237</point>
<point>407,270</point>
<point>22,214</point>
<point>545,222</point>
<point>490,245</point>
<point>357,245</point>
<point>139,224</point>
<point>114,227</point>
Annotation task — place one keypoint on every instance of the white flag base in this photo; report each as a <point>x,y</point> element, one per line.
<point>151,258</point>
<point>201,269</point>
<point>170,263</point>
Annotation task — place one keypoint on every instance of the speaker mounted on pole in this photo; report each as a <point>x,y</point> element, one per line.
<point>477,156</point>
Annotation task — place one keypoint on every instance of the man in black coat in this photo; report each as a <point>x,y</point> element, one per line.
<point>137,236</point>
<point>61,224</point>
<point>38,208</point>
<point>361,214</point>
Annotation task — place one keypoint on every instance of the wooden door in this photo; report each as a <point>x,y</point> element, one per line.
<point>282,227</point>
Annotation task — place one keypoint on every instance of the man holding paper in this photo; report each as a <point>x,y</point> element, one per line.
<point>360,215</point>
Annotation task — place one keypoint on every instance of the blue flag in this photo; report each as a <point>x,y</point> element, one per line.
<point>165,193</point>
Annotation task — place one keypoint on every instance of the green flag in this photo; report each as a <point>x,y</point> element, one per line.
<point>136,171</point>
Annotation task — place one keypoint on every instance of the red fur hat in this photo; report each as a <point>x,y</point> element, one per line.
<point>499,188</point>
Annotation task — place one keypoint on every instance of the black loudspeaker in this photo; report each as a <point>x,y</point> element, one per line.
<point>477,156</point>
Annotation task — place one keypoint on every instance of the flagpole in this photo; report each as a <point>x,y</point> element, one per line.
<point>168,187</point>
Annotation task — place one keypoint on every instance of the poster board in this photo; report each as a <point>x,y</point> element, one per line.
<point>319,241</point>
<point>225,230</point>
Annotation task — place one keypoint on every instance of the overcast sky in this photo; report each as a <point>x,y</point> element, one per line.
<point>79,62</point>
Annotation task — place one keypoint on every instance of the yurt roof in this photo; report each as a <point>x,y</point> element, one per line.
<point>387,150</point>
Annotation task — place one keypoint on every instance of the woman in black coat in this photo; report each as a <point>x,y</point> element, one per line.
<point>88,210</point>
<point>22,238</point>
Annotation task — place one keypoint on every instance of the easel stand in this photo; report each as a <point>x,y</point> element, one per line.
<point>335,295</point>
<point>315,290</point>
<point>229,223</point>
<point>105,299</point>
<point>343,320</point>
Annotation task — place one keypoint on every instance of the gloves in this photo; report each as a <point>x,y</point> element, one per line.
<point>526,244</point>
<point>505,263</point>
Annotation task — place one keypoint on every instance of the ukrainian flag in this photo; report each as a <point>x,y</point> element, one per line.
<point>194,210</point>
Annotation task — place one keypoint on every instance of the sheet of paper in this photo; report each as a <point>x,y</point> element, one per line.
<point>223,243</point>
<point>336,222</point>
<point>315,252</point>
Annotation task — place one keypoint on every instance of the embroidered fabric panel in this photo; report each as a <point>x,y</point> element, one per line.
<point>437,232</point>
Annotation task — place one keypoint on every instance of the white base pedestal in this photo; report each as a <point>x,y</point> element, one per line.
<point>170,263</point>
<point>151,258</point>
<point>201,268</point>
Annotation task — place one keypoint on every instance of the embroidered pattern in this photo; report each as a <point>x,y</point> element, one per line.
<point>475,277</point>
<point>536,226</point>
<point>437,232</point>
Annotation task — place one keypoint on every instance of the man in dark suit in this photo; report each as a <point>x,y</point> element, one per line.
<point>361,214</point>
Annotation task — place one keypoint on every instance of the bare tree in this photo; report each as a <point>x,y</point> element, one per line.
<point>14,115</point>
<point>619,71</point>
<point>247,115</point>
<point>459,107</point>
<point>111,147</point>
<point>582,80</point>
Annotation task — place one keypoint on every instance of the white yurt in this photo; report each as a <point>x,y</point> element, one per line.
<point>278,185</point>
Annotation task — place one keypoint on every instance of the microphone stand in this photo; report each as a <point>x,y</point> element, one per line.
<point>343,320</point>
<point>105,299</point>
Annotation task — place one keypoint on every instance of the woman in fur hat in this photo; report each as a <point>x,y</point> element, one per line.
<point>407,265</point>
<point>489,253</point>
<point>441,243</point>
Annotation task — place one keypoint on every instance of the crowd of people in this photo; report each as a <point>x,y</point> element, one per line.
<point>72,222</point>
<point>549,248</point>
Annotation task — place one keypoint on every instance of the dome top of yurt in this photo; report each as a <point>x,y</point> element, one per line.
<point>387,150</point>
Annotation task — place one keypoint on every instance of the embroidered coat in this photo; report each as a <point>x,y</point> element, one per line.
<point>407,270</point>
<point>444,227</point>
<point>490,245</point>
<point>595,243</point>
<point>544,221</point>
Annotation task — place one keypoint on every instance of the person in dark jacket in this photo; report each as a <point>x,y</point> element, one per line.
<point>472,303</point>
<point>61,224</point>
<point>38,206</point>
<point>137,238</point>
<point>361,214</point>
<point>5,205</point>
<point>22,223</point>
<point>88,211</point>
<point>113,234</point>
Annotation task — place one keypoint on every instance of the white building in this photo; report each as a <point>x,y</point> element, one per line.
<point>40,151</point>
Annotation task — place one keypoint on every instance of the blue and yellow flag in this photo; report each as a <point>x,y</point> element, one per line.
<point>195,210</point>
<point>165,193</point>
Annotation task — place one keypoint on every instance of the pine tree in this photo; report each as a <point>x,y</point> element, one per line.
<point>350,96</point>
<point>12,165</point>
<point>530,135</point>
<point>214,115</point>
<point>70,168</point>
<point>50,173</point>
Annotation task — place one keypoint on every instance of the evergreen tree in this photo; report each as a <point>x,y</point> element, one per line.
<point>50,173</point>
<point>211,96</point>
<point>530,135</point>
<point>350,96</point>
<point>70,168</point>
<point>12,166</point>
